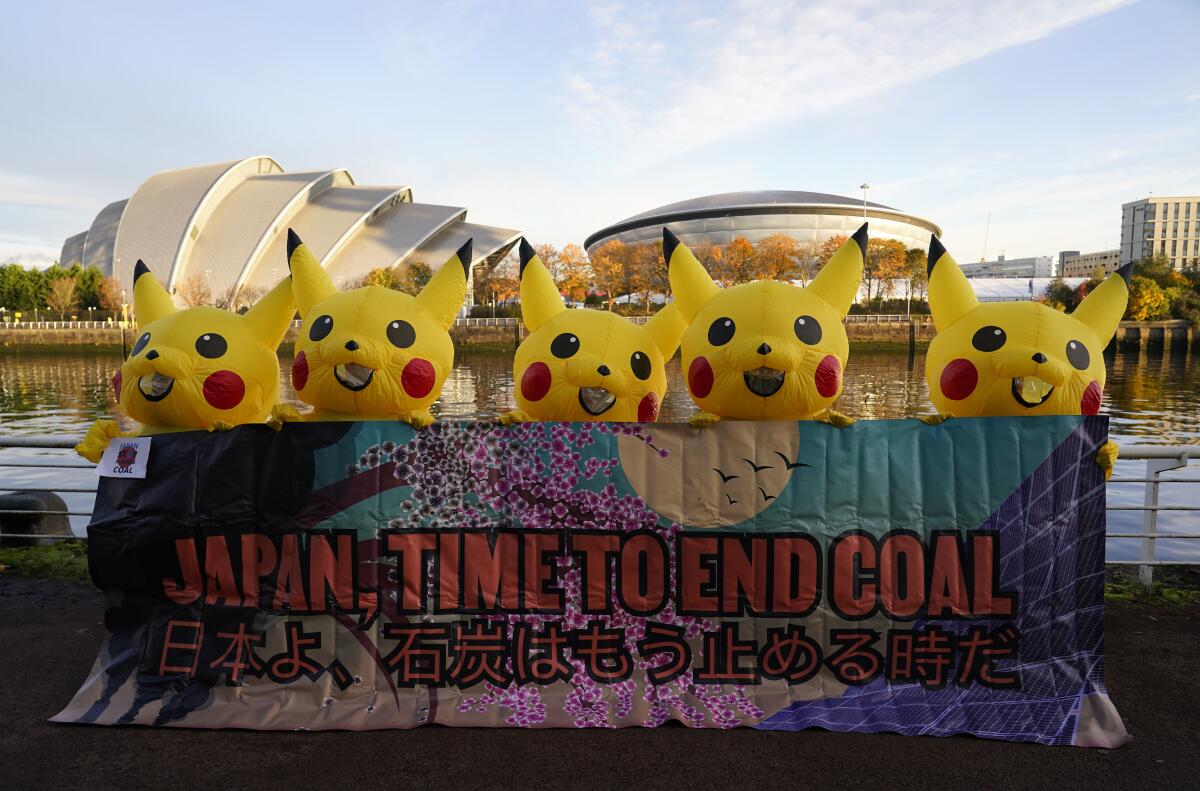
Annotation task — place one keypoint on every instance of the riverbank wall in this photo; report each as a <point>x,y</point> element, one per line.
<point>866,332</point>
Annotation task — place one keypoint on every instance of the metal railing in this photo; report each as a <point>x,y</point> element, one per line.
<point>57,453</point>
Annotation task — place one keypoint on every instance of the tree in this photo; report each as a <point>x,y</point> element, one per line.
<point>238,300</point>
<point>828,247</point>
<point>413,277</point>
<point>573,273</point>
<point>62,297</point>
<point>1147,301</point>
<point>194,291</point>
<point>498,283</point>
<point>608,268</point>
<point>777,257</point>
<point>737,262</point>
<point>916,269</point>
<point>886,262</point>
<point>108,294</point>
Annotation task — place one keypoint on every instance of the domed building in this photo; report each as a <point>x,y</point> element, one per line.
<point>807,217</point>
<point>226,224</point>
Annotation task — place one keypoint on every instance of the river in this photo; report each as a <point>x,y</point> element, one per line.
<point>1151,397</point>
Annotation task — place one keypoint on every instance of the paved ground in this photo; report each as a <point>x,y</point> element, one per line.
<point>49,633</point>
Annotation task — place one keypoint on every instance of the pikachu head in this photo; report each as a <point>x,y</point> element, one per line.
<point>585,365</point>
<point>1017,358</point>
<point>765,350</point>
<point>200,366</point>
<point>373,351</point>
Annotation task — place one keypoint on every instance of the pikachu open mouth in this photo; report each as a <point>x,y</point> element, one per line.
<point>596,400</point>
<point>353,376</point>
<point>1031,391</point>
<point>155,387</point>
<point>764,381</point>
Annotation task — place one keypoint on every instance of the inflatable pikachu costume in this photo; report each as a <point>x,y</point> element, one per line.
<point>585,365</point>
<point>1017,358</point>
<point>199,368</point>
<point>765,350</point>
<point>372,353</point>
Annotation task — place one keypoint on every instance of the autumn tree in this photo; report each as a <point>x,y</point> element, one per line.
<point>573,273</point>
<point>608,264</point>
<point>237,299</point>
<point>108,294</point>
<point>498,283</point>
<point>62,296</point>
<point>1147,300</point>
<point>737,262</point>
<point>194,291</point>
<point>776,257</point>
<point>413,277</point>
<point>886,262</point>
<point>828,247</point>
<point>916,270</point>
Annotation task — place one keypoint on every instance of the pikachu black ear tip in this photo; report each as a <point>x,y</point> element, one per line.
<point>526,254</point>
<point>860,239</point>
<point>670,242</point>
<point>1126,273</point>
<point>140,269</point>
<point>936,251</point>
<point>464,256</point>
<point>293,243</point>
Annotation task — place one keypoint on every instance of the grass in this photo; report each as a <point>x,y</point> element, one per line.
<point>62,560</point>
<point>1158,594</point>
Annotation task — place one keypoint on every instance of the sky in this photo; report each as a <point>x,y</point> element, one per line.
<point>559,118</point>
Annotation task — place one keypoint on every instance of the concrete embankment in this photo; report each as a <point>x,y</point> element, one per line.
<point>896,333</point>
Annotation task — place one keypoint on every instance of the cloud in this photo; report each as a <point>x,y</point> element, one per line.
<point>655,85</point>
<point>18,189</point>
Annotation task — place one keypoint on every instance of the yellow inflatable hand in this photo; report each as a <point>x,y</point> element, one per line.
<point>514,417</point>
<point>1106,457</point>
<point>95,442</point>
<point>283,413</point>
<point>703,419</point>
<point>836,419</point>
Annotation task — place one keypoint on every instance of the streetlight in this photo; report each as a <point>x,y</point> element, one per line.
<point>864,187</point>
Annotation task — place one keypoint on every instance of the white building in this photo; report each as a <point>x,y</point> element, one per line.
<point>226,224</point>
<point>1037,266</point>
<point>1072,263</point>
<point>1167,226</point>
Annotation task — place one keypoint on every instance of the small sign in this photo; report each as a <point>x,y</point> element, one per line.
<point>125,457</point>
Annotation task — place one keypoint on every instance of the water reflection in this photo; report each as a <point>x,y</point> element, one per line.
<point>1151,397</point>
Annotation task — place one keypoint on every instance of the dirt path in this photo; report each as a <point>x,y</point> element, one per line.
<point>49,633</point>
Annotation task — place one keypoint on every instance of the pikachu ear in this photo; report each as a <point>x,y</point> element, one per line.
<point>1102,309</point>
<point>310,282</point>
<point>269,318</point>
<point>666,327</point>
<point>150,300</point>
<point>445,292</point>
<point>540,300</point>
<point>690,283</point>
<point>838,281</point>
<point>950,294</point>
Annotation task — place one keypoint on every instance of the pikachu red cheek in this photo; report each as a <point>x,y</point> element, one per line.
<point>418,378</point>
<point>535,382</point>
<point>828,376</point>
<point>224,390</point>
<point>117,385</point>
<point>300,371</point>
<point>700,377</point>
<point>959,379</point>
<point>648,408</point>
<point>1092,396</point>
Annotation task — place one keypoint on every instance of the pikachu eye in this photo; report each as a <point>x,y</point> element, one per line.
<point>141,344</point>
<point>401,334</point>
<point>564,346</point>
<point>640,364</point>
<point>989,338</point>
<point>1078,355</point>
<point>211,345</point>
<point>720,332</point>
<point>808,330</point>
<point>320,328</point>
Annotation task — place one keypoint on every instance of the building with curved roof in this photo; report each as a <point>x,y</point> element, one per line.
<point>807,217</point>
<point>226,223</point>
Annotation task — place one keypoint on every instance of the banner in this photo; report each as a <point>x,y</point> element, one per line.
<point>889,576</point>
